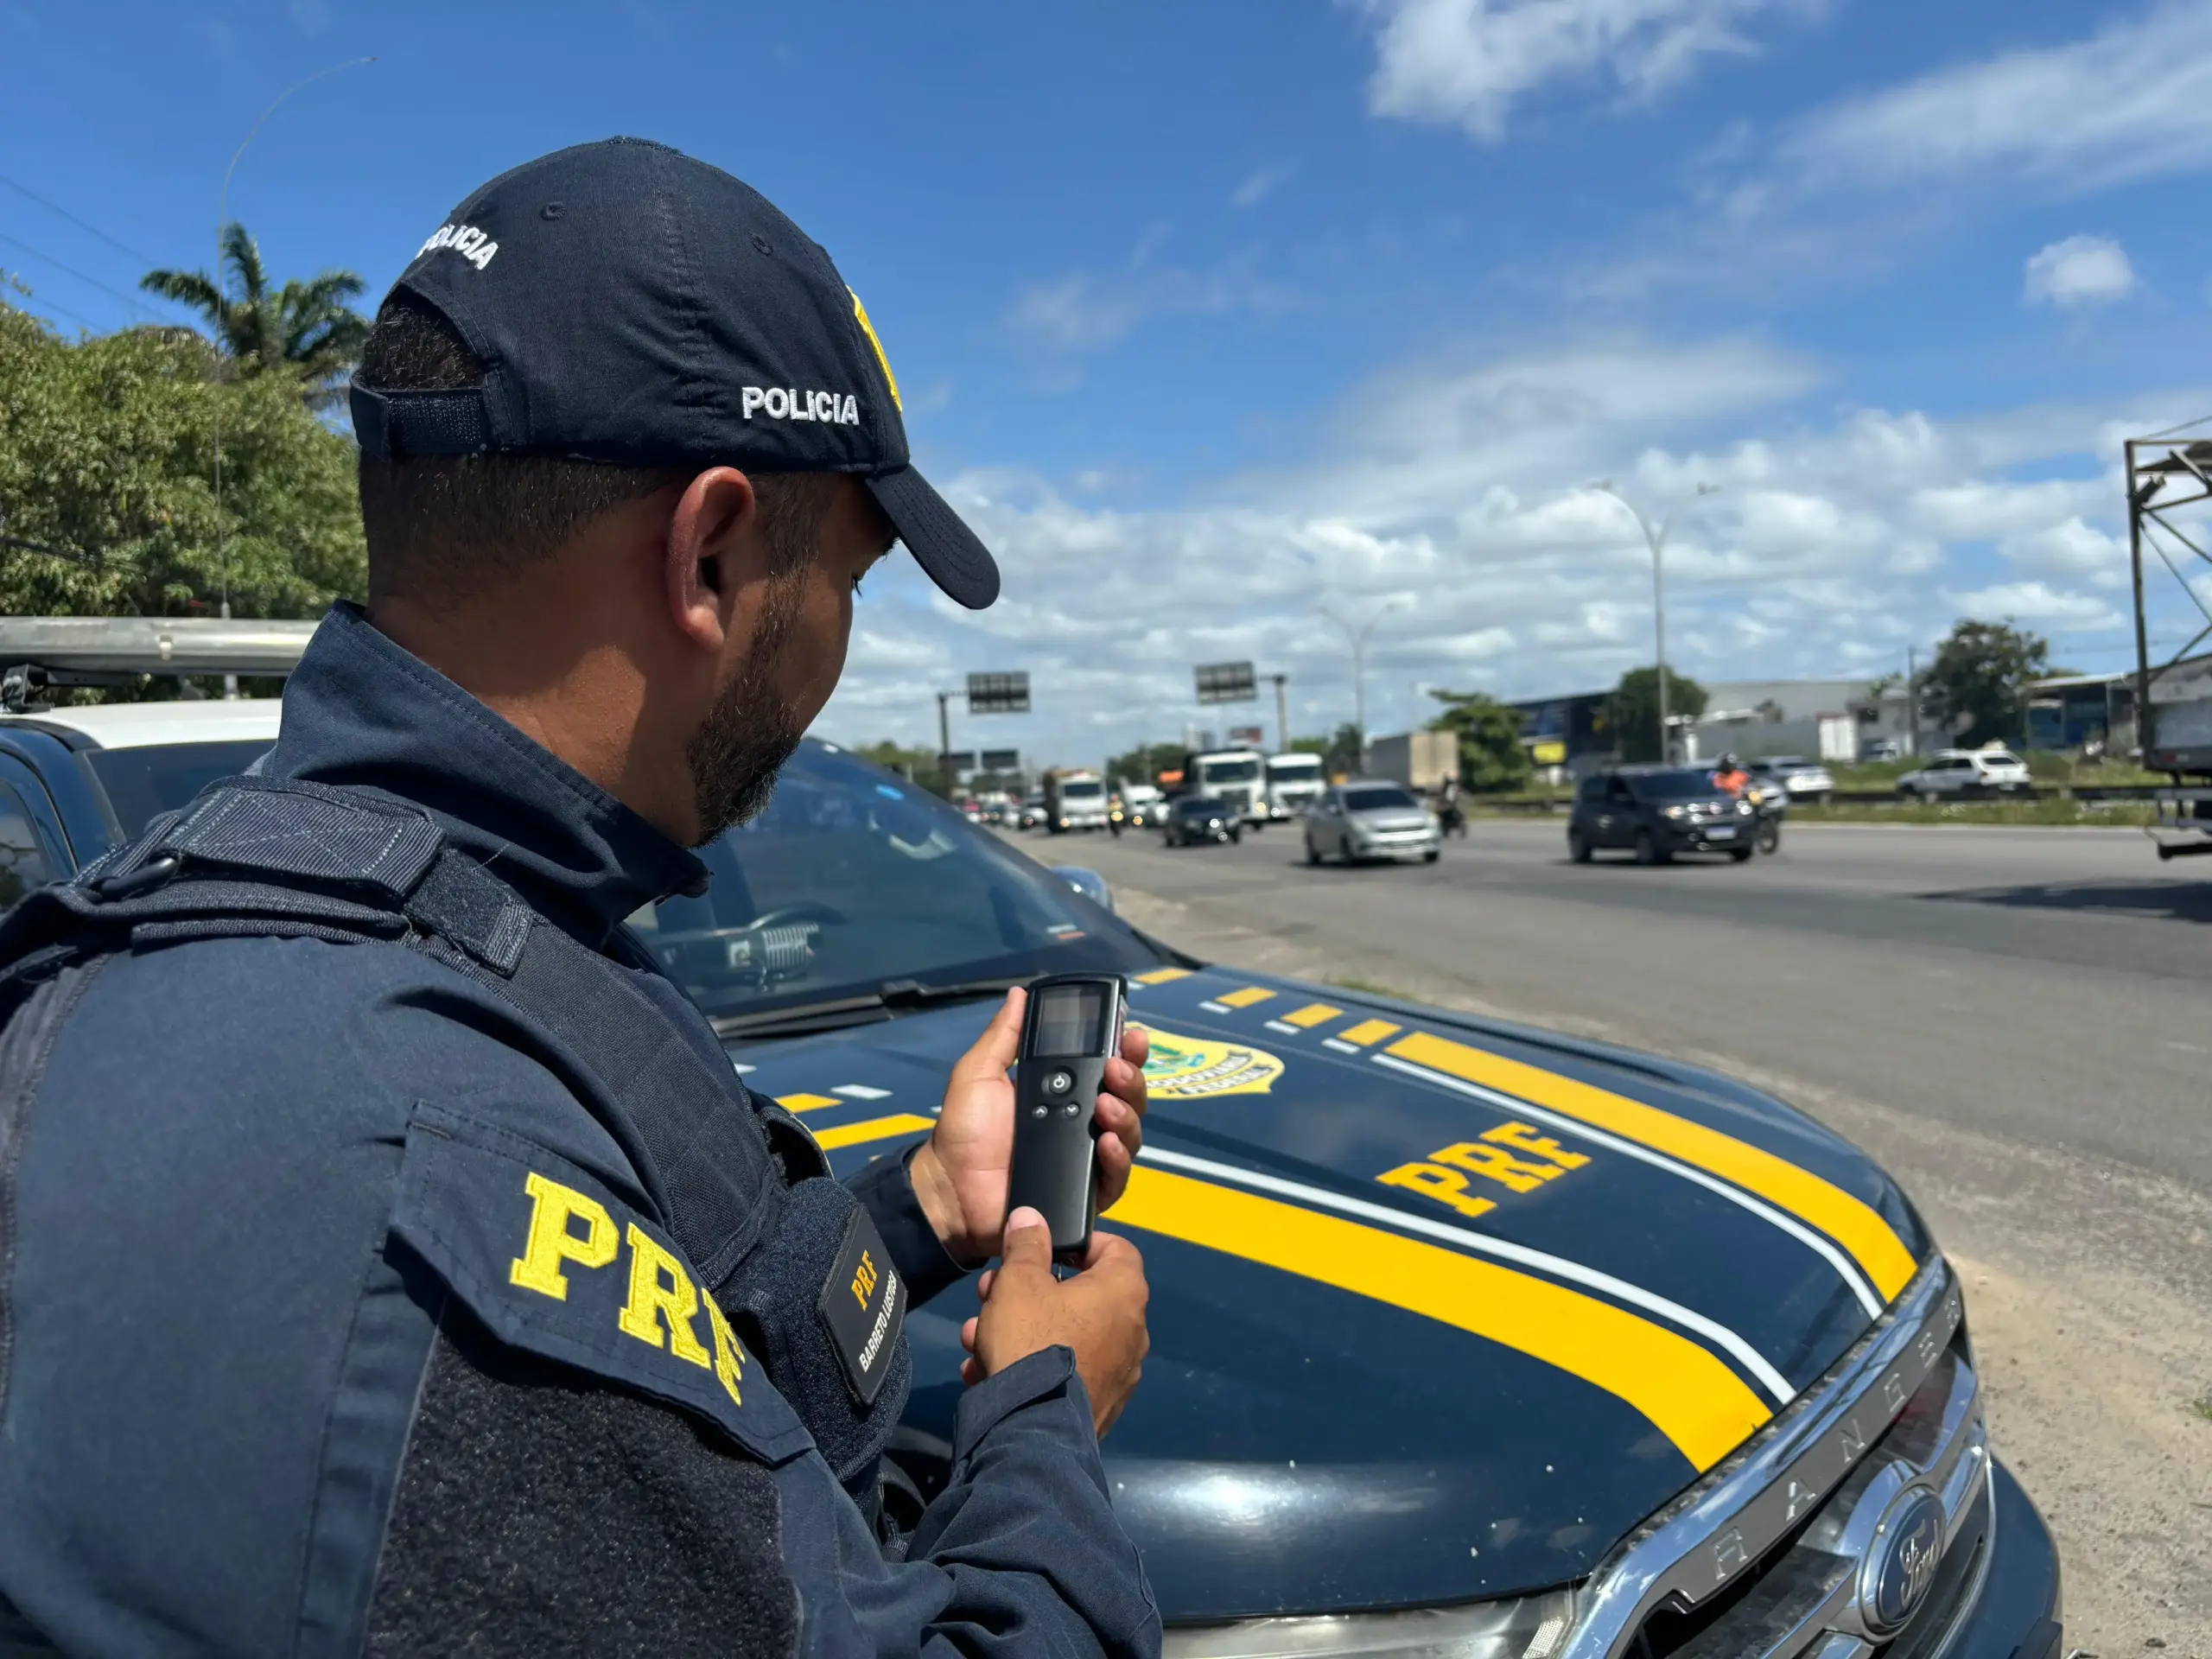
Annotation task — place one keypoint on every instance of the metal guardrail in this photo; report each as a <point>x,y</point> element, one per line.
<point>1878,798</point>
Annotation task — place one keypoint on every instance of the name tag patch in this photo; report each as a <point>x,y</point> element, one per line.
<point>864,1305</point>
<point>553,1262</point>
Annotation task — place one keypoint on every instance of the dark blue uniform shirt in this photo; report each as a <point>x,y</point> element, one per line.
<point>332,1320</point>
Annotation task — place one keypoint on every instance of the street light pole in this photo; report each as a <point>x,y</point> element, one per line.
<point>1358,637</point>
<point>222,223</point>
<point>1655,537</point>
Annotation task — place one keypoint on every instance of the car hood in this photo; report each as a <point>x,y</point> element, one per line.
<point>1441,1308</point>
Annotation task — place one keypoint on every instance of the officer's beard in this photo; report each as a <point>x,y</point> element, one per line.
<point>752,729</point>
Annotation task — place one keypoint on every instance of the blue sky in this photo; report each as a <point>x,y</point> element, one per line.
<point>1216,317</point>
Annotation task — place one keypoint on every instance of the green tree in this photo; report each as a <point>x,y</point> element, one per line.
<point>306,328</point>
<point>1144,764</point>
<point>1491,755</point>
<point>1632,712</point>
<point>920,765</point>
<point>106,452</point>
<point>1347,747</point>
<point>1978,685</point>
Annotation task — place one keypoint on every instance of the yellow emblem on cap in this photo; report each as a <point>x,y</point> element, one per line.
<point>1195,1068</point>
<point>868,329</point>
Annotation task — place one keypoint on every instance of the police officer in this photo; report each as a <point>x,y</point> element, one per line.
<point>389,1259</point>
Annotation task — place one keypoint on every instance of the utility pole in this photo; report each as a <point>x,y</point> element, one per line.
<point>1655,537</point>
<point>1913,696</point>
<point>1358,637</point>
<point>1282,714</point>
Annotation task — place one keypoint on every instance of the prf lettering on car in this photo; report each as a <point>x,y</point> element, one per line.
<point>1533,1160</point>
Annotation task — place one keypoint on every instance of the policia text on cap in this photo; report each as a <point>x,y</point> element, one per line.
<point>394,1262</point>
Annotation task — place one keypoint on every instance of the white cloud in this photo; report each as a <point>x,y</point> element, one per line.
<point>2080,271</point>
<point>1467,62</point>
<point>2130,101</point>
<point>1456,489</point>
<point>1258,186</point>
<point>1083,313</point>
<point>2037,602</point>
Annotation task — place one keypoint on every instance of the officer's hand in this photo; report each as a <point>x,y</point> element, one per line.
<point>960,1174</point>
<point>1099,1313</point>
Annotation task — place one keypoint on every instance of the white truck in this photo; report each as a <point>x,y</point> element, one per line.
<point>1294,783</point>
<point>1074,799</point>
<point>1420,760</point>
<point>1231,777</point>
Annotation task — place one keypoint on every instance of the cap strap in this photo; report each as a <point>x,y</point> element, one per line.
<point>394,425</point>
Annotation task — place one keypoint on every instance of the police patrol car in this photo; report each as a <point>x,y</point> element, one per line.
<point>1468,1338</point>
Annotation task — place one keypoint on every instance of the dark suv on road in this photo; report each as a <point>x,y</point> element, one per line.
<point>1655,812</point>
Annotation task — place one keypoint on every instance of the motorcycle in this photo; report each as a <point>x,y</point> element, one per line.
<point>1771,803</point>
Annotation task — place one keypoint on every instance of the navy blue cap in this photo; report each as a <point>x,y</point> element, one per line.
<point>632,305</point>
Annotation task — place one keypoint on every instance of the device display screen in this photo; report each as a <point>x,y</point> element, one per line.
<point>1071,1021</point>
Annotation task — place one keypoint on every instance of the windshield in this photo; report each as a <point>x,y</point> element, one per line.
<point>1082,792</point>
<point>1198,806</point>
<point>1295,768</point>
<point>1377,800</point>
<point>1230,772</point>
<point>142,784</point>
<point>1680,783</point>
<point>853,877</point>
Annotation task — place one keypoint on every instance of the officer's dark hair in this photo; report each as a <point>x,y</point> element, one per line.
<point>447,528</point>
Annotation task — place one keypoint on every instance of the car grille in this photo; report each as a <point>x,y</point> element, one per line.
<point>1767,1557</point>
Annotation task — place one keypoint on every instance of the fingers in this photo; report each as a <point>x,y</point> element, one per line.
<point>1111,1252</point>
<point>1113,1163</point>
<point>967,1333</point>
<point>984,1280</point>
<point>1136,1047</point>
<point>995,1049</point>
<point>1028,1246</point>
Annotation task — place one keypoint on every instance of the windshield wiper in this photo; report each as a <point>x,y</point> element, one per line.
<point>887,1001</point>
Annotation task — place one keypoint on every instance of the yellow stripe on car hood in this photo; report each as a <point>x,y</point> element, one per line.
<point>1686,1392</point>
<point>1852,1222</point>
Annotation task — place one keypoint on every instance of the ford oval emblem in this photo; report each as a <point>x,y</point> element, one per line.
<point>1900,1565</point>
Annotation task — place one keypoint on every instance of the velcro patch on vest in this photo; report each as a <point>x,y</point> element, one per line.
<point>553,1262</point>
<point>863,1305</point>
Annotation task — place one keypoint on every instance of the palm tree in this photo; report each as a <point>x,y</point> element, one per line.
<point>306,328</point>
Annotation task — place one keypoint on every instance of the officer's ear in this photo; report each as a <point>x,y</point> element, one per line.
<point>713,554</point>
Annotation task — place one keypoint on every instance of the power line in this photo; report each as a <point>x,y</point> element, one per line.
<point>77,316</point>
<point>71,270</point>
<point>56,208</point>
<point>103,563</point>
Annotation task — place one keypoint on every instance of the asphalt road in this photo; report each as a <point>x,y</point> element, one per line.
<point>2055,986</point>
<point>2017,1022</point>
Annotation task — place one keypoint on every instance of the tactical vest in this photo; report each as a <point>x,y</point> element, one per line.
<point>737,1182</point>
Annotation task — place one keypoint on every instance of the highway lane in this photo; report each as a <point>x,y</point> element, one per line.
<point>2053,986</point>
<point>2018,1023</point>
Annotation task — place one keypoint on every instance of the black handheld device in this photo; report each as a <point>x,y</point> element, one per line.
<point>1072,1028</point>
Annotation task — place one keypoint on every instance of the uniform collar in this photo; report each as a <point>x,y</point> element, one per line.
<point>360,710</point>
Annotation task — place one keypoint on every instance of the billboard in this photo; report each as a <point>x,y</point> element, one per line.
<point>1247,737</point>
<point>956,761</point>
<point>1227,682</point>
<point>998,694</point>
<point>1001,761</point>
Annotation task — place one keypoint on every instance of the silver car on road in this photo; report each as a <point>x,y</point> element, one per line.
<point>1369,818</point>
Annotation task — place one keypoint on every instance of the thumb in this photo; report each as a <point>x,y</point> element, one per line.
<point>1028,1242</point>
<point>995,1050</point>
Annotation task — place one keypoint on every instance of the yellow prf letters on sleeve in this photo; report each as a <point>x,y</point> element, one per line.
<point>730,1353</point>
<point>554,1208</point>
<point>660,1289</point>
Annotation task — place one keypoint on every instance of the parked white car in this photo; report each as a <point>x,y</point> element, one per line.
<point>1966,771</point>
<point>1800,779</point>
